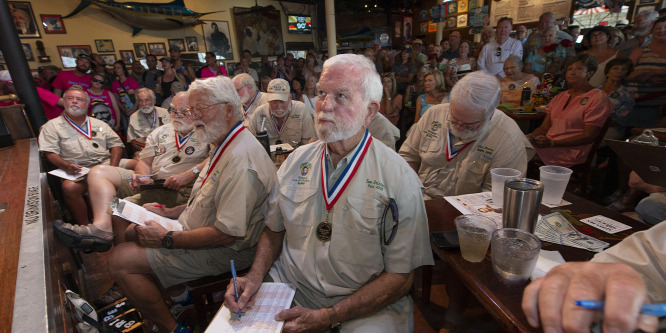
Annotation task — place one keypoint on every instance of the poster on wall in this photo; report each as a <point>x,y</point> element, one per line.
<point>192,43</point>
<point>408,29</point>
<point>158,49</point>
<point>259,32</point>
<point>24,19</point>
<point>27,50</point>
<point>216,35</point>
<point>397,29</point>
<point>176,44</point>
<point>141,50</point>
<point>53,24</point>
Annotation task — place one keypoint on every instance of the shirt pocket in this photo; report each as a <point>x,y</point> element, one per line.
<point>297,214</point>
<point>430,144</point>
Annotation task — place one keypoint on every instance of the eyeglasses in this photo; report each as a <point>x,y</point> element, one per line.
<point>197,111</point>
<point>176,113</point>
<point>97,80</point>
<point>470,126</point>
<point>241,88</point>
<point>499,52</point>
<point>388,74</point>
<point>394,212</point>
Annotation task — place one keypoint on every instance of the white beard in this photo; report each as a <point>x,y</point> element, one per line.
<point>180,126</point>
<point>76,111</point>
<point>280,113</point>
<point>244,99</point>
<point>211,131</point>
<point>342,130</point>
<point>146,109</point>
<point>466,134</point>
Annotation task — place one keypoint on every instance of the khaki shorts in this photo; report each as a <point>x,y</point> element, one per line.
<point>124,190</point>
<point>177,266</point>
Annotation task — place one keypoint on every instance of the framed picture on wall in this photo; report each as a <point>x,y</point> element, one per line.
<point>158,49</point>
<point>176,44</point>
<point>260,32</point>
<point>127,56</point>
<point>68,54</point>
<point>192,43</point>
<point>29,56</point>
<point>104,45</point>
<point>141,50</point>
<point>216,35</point>
<point>53,24</point>
<point>644,8</point>
<point>109,59</point>
<point>24,19</point>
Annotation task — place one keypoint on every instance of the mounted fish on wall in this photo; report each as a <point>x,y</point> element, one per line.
<point>140,15</point>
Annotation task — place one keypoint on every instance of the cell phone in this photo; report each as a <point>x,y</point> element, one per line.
<point>445,240</point>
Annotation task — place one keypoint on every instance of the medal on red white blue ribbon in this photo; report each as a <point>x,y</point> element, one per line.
<point>333,193</point>
<point>245,109</point>
<point>233,133</point>
<point>275,122</point>
<point>85,131</point>
<point>180,143</point>
<point>450,154</point>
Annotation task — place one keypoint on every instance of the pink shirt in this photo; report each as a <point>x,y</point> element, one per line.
<point>104,97</point>
<point>66,79</point>
<point>206,72</point>
<point>128,84</point>
<point>49,103</point>
<point>591,108</point>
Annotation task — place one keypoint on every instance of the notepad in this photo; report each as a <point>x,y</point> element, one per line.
<point>139,215</point>
<point>64,175</point>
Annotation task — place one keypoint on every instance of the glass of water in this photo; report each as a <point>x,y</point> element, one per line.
<point>474,236</point>
<point>514,253</point>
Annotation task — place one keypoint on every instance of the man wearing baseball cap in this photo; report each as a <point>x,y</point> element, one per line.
<point>78,77</point>
<point>285,120</point>
<point>417,45</point>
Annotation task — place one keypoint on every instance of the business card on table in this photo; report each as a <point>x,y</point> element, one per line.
<point>605,224</point>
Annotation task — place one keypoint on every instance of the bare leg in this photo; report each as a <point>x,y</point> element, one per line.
<point>102,183</point>
<point>129,266</point>
<point>119,227</point>
<point>73,193</point>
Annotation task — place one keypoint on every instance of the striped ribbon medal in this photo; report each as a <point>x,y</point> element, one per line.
<point>450,154</point>
<point>180,143</point>
<point>275,122</point>
<point>245,109</point>
<point>332,194</point>
<point>233,133</point>
<point>85,131</point>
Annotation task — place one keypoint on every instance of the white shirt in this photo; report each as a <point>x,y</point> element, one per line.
<point>491,63</point>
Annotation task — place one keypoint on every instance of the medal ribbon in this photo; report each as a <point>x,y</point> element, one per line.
<point>181,142</point>
<point>279,130</point>
<point>221,148</point>
<point>450,154</point>
<point>332,195</point>
<point>250,106</point>
<point>87,132</point>
<point>154,118</point>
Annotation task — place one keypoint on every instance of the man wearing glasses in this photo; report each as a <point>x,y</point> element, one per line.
<point>149,117</point>
<point>454,146</point>
<point>223,219</point>
<point>351,273</point>
<point>493,54</point>
<point>454,44</point>
<point>250,96</point>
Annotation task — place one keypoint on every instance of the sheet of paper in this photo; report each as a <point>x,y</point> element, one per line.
<point>285,147</point>
<point>269,301</point>
<point>137,214</point>
<point>64,175</point>
<point>605,224</point>
<point>562,203</point>
<point>478,203</point>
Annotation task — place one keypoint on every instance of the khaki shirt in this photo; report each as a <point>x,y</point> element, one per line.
<point>299,127</point>
<point>326,272</point>
<point>59,137</point>
<point>141,124</point>
<point>382,129</point>
<point>161,143</point>
<point>501,145</point>
<point>234,196</point>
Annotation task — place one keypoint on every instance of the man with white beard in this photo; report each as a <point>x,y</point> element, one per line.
<point>284,119</point>
<point>642,31</point>
<point>72,141</point>
<point>174,156</point>
<point>323,224</point>
<point>250,96</point>
<point>456,145</point>
<point>146,119</point>
<point>222,220</point>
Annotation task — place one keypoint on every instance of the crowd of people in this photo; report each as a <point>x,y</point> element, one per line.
<point>181,142</point>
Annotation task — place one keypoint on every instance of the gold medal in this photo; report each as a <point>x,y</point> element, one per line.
<point>176,159</point>
<point>324,230</point>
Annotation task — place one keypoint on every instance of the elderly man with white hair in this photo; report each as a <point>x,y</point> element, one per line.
<point>222,220</point>
<point>454,146</point>
<point>148,118</point>
<point>352,269</point>
<point>250,96</point>
<point>642,31</point>
<point>546,20</point>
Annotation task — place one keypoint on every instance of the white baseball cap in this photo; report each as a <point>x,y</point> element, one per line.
<point>278,89</point>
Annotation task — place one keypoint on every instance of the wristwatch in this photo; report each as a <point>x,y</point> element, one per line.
<point>167,241</point>
<point>333,317</point>
<point>196,170</point>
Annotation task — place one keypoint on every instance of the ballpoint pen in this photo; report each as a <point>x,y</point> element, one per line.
<point>140,177</point>
<point>658,310</point>
<point>233,273</point>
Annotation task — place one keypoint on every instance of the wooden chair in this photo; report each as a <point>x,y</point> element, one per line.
<point>202,295</point>
<point>583,171</point>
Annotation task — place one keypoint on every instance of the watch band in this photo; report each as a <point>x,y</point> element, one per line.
<point>333,317</point>
<point>195,170</point>
<point>167,241</point>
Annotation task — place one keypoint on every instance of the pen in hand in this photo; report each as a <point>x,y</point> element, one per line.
<point>233,273</point>
<point>140,177</point>
<point>658,310</point>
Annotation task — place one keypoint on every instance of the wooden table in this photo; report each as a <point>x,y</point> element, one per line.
<point>528,121</point>
<point>503,301</point>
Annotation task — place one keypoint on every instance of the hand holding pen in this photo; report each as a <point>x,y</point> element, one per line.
<point>137,180</point>
<point>73,168</point>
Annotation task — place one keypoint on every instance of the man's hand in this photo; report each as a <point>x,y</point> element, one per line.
<point>150,235</point>
<point>552,298</point>
<point>176,182</point>
<point>542,141</point>
<point>299,319</point>
<point>156,208</point>
<point>138,145</point>
<point>136,182</point>
<point>247,287</point>
<point>73,169</point>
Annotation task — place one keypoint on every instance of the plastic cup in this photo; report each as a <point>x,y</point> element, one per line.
<point>474,233</point>
<point>528,107</point>
<point>514,253</point>
<point>554,180</point>
<point>499,177</point>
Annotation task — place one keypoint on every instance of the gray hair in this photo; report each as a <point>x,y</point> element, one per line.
<point>181,93</point>
<point>219,89</point>
<point>246,79</point>
<point>146,90</point>
<point>77,88</point>
<point>550,14</point>
<point>516,60</point>
<point>478,91</point>
<point>371,83</point>
<point>650,15</point>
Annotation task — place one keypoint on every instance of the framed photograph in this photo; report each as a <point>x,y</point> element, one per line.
<point>158,49</point>
<point>104,45</point>
<point>28,52</point>
<point>260,32</point>
<point>192,43</point>
<point>141,50</point>
<point>462,21</point>
<point>127,56</point>
<point>68,54</point>
<point>109,59</point>
<point>644,8</point>
<point>176,44</point>
<point>462,6</point>
<point>451,22</point>
<point>24,19</point>
<point>53,24</point>
<point>216,35</point>
<point>432,26</point>
<point>451,8</point>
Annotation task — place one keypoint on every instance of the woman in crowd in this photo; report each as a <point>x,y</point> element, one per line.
<point>574,118</point>
<point>649,78</point>
<point>617,38</point>
<point>103,103</point>
<point>459,67</point>
<point>515,80</point>
<point>391,102</point>
<point>170,76</point>
<point>309,96</point>
<point>211,69</point>
<point>383,62</point>
<point>435,91</point>
<point>311,67</point>
<point>124,87</point>
<point>621,98</point>
<point>280,71</point>
<point>549,58</point>
<point>404,68</point>
<point>414,90</point>
<point>296,89</point>
<point>599,38</point>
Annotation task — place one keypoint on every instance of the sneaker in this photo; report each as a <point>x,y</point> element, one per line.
<point>83,237</point>
<point>179,309</point>
<point>110,296</point>
<point>182,327</point>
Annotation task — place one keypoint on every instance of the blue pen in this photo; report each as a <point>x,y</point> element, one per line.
<point>140,177</point>
<point>233,273</point>
<point>658,310</point>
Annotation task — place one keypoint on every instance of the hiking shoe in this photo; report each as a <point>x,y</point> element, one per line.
<point>109,297</point>
<point>180,309</point>
<point>83,237</point>
<point>183,328</point>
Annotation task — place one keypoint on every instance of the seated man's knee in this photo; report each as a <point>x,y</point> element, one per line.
<point>652,209</point>
<point>123,259</point>
<point>72,189</point>
<point>101,170</point>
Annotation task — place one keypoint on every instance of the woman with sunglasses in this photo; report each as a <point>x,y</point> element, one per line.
<point>599,37</point>
<point>102,99</point>
<point>391,103</point>
<point>549,58</point>
<point>435,91</point>
<point>461,66</point>
<point>124,87</point>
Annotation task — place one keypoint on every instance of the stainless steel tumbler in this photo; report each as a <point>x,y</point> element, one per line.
<point>522,198</point>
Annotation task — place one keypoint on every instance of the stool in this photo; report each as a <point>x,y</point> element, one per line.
<point>202,290</point>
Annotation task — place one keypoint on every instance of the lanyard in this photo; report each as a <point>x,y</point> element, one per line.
<point>250,106</point>
<point>450,154</point>
<point>87,131</point>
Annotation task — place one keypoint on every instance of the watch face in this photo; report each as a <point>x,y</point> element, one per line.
<point>167,241</point>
